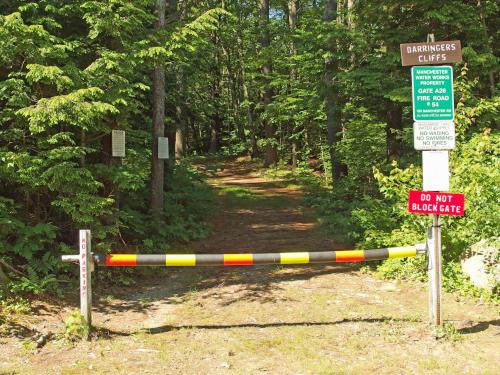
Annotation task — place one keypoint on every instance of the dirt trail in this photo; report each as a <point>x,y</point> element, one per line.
<point>261,215</point>
<point>323,319</point>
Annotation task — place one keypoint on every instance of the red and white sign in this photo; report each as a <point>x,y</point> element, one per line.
<point>429,202</point>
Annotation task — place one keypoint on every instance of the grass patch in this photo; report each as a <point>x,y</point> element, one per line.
<point>449,332</point>
<point>242,197</point>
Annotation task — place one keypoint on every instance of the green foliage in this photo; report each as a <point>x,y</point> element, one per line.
<point>188,201</point>
<point>404,269</point>
<point>449,332</point>
<point>75,327</point>
<point>15,305</point>
<point>74,71</point>
<point>33,284</point>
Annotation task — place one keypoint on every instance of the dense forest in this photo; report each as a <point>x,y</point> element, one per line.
<point>311,85</point>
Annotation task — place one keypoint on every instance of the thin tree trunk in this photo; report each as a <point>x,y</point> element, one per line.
<point>83,143</point>
<point>249,112</point>
<point>394,127</point>
<point>180,108</point>
<point>349,14</point>
<point>157,165</point>
<point>333,114</point>
<point>172,16</point>
<point>216,118</point>
<point>180,132</point>
<point>180,128</point>
<point>491,75</point>
<point>393,131</point>
<point>292,23</point>
<point>271,154</point>
<point>110,188</point>
<point>197,142</point>
<point>3,276</point>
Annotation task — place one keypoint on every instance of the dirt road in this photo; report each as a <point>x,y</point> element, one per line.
<point>267,319</point>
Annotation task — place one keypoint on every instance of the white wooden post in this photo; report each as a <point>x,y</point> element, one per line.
<point>434,271</point>
<point>86,268</point>
<point>430,273</point>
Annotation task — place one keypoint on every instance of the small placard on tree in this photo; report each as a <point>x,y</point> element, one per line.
<point>118,143</point>
<point>162,148</point>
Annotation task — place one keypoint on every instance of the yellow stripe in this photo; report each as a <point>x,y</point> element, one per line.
<point>179,260</point>
<point>402,252</point>
<point>294,258</point>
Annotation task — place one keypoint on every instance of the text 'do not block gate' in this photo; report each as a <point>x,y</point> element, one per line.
<point>429,202</point>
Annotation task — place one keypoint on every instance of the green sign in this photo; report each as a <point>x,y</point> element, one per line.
<point>432,88</point>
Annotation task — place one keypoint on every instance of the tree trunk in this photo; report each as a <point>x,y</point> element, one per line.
<point>333,114</point>
<point>171,16</point>
<point>349,14</point>
<point>180,108</point>
<point>394,126</point>
<point>271,154</point>
<point>292,23</point>
<point>180,133</point>
<point>157,165</point>
<point>216,118</point>
<point>180,128</point>
<point>250,122</point>
<point>110,188</point>
<point>491,74</point>
<point>394,113</point>
<point>4,279</point>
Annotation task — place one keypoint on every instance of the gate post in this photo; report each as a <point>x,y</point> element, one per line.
<point>86,268</point>
<point>434,271</point>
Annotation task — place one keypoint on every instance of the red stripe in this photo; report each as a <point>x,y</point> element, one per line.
<point>238,259</point>
<point>121,260</point>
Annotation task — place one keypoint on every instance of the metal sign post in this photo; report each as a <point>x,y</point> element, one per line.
<point>434,272</point>
<point>434,134</point>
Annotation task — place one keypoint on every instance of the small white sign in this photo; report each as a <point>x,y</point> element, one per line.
<point>162,148</point>
<point>435,170</point>
<point>118,143</point>
<point>434,135</point>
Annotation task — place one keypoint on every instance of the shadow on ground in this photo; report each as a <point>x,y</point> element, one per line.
<point>170,328</point>
<point>258,284</point>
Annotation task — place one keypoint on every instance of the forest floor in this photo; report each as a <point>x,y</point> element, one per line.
<point>322,319</point>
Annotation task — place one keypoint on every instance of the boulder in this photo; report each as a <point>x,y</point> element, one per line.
<point>481,264</point>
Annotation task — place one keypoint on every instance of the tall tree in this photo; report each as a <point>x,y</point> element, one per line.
<point>157,165</point>
<point>215,90</point>
<point>332,105</point>
<point>292,24</point>
<point>271,153</point>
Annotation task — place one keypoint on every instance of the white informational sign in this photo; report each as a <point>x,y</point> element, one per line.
<point>434,135</point>
<point>118,143</point>
<point>162,148</point>
<point>435,168</point>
